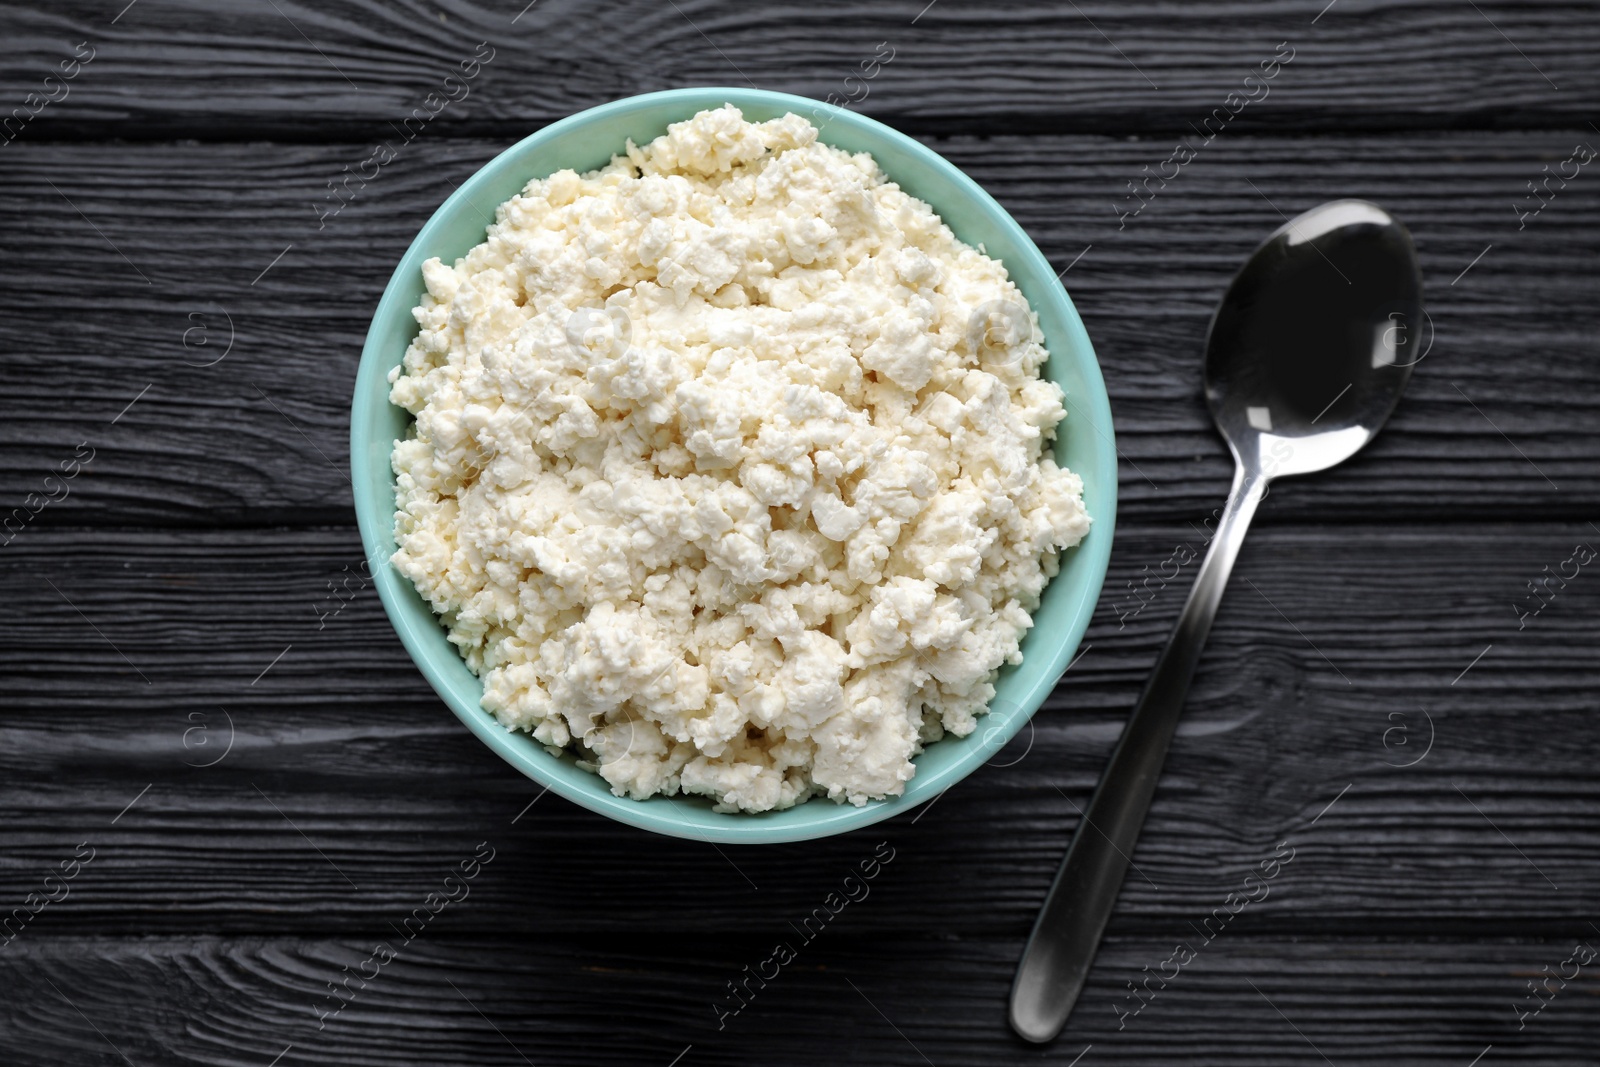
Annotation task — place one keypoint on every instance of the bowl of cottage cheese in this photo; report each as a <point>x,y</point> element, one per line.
<point>733,465</point>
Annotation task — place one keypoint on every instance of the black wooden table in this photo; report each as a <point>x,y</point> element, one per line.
<point>223,785</point>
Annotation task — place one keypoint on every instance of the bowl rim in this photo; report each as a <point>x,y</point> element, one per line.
<point>824,818</point>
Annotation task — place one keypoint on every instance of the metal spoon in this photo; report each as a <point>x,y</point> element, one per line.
<point>1307,356</point>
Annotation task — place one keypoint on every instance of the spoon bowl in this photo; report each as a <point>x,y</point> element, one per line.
<point>1312,345</point>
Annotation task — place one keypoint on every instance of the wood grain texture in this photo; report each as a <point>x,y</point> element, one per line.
<point>294,69</point>
<point>516,1000</point>
<point>347,780</point>
<point>1502,408</point>
<point>1369,698</point>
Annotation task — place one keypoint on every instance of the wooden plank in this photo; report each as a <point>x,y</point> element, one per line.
<point>344,766</point>
<point>289,71</point>
<point>1501,409</point>
<point>520,999</point>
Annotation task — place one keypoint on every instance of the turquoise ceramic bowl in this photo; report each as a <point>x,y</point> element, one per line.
<point>586,141</point>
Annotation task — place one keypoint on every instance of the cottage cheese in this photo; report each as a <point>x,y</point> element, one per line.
<point>728,473</point>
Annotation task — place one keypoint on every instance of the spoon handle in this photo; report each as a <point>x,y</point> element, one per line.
<point>1065,937</point>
